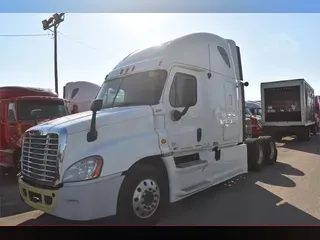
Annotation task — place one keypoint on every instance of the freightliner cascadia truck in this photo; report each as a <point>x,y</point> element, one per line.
<point>168,122</point>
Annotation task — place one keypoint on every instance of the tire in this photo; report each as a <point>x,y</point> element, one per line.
<point>255,154</point>
<point>132,207</point>
<point>270,150</point>
<point>306,135</point>
<point>16,161</point>
<point>277,137</point>
<point>3,171</point>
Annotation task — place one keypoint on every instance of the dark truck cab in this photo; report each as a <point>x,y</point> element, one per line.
<point>16,104</point>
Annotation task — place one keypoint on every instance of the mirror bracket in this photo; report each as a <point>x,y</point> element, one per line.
<point>177,115</point>
<point>95,106</point>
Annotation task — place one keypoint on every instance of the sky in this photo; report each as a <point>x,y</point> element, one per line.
<point>273,46</point>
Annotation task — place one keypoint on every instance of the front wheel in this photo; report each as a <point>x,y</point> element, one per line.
<point>143,196</point>
<point>17,161</point>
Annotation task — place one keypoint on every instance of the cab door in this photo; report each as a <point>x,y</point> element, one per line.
<point>185,134</point>
<point>10,123</point>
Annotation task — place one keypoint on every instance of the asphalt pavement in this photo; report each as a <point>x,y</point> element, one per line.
<point>287,193</point>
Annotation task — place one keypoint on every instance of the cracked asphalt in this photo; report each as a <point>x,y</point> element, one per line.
<point>287,193</point>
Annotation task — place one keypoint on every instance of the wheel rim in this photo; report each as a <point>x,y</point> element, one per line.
<point>272,150</point>
<point>146,198</point>
<point>260,155</point>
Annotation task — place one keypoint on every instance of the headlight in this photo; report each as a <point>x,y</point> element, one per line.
<point>85,169</point>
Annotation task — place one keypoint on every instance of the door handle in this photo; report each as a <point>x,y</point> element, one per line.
<point>199,134</point>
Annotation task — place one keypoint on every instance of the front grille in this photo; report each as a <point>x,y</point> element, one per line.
<point>39,159</point>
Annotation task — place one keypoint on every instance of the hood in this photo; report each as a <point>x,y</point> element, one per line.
<point>81,121</point>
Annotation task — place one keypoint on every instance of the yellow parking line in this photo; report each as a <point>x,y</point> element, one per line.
<point>19,218</point>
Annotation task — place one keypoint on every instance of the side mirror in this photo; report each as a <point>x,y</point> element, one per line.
<point>176,115</point>
<point>35,114</point>
<point>96,105</point>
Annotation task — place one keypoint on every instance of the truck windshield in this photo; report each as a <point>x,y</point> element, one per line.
<point>137,89</point>
<point>50,109</point>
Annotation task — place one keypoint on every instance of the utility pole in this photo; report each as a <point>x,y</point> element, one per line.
<point>54,22</point>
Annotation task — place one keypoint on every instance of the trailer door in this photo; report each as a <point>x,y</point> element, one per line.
<point>282,104</point>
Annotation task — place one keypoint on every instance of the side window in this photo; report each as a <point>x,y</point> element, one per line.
<point>11,112</point>
<point>183,91</point>
<point>74,92</point>
<point>111,93</point>
<point>224,55</point>
<point>120,97</point>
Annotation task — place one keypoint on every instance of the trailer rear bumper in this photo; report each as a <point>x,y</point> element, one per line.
<point>282,131</point>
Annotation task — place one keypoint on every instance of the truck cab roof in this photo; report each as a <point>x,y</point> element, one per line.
<point>10,92</point>
<point>40,97</point>
<point>220,52</point>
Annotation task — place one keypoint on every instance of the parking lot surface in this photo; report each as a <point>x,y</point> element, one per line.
<point>287,193</point>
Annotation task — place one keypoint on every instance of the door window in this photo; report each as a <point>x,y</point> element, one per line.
<point>183,92</point>
<point>11,112</point>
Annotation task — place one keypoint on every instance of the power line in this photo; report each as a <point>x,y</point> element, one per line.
<point>24,35</point>
<point>77,41</point>
<point>49,34</point>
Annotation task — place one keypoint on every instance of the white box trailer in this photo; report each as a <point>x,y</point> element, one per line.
<point>168,122</point>
<point>288,108</point>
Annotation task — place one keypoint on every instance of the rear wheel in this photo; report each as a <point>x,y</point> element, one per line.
<point>255,154</point>
<point>3,171</point>
<point>314,129</point>
<point>143,196</point>
<point>305,135</point>
<point>277,137</point>
<point>270,150</point>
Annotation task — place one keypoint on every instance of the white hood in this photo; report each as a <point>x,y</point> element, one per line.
<point>81,121</point>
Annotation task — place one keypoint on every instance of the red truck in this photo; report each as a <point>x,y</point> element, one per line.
<point>16,105</point>
<point>317,112</point>
<point>256,127</point>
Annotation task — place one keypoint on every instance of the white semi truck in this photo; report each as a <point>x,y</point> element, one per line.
<point>81,94</point>
<point>288,108</point>
<point>176,128</point>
